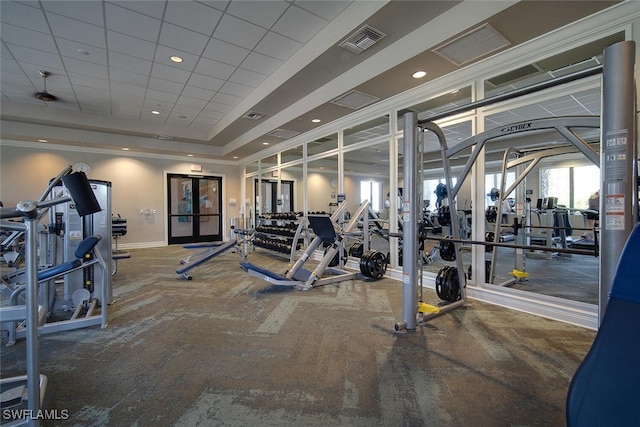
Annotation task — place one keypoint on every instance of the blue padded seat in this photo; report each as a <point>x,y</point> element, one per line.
<point>604,390</point>
<point>83,249</point>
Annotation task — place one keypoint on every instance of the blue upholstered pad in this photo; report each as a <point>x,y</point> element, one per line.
<point>58,269</point>
<point>605,389</point>
<point>86,246</point>
<point>217,249</point>
<point>248,266</point>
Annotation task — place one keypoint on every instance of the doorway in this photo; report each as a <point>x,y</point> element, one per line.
<point>195,208</point>
<point>272,201</point>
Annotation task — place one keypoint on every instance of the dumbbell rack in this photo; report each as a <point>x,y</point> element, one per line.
<point>282,232</point>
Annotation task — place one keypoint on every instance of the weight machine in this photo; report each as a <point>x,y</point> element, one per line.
<point>28,391</point>
<point>372,264</point>
<point>618,172</point>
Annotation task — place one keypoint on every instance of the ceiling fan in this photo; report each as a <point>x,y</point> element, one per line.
<point>44,95</point>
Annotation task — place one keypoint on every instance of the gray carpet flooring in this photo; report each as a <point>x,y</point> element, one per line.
<point>227,349</point>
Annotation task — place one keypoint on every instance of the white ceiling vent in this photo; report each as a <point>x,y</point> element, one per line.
<point>472,45</point>
<point>253,115</point>
<point>362,39</point>
<point>283,133</point>
<point>355,100</point>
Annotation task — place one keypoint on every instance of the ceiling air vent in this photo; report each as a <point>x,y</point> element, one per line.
<point>472,45</point>
<point>362,39</point>
<point>163,137</point>
<point>355,100</point>
<point>253,115</point>
<point>283,133</point>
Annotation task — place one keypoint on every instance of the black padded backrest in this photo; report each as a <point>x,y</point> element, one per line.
<point>86,246</point>
<point>322,227</point>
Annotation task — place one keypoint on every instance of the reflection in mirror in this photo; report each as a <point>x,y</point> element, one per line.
<point>251,167</point>
<point>436,212</point>
<point>554,197</point>
<point>321,145</point>
<point>366,131</point>
<point>268,162</point>
<point>248,203</point>
<point>292,190</point>
<point>439,104</point>
<point>291,155</point>
<point>322,188</point>
<point>366,176</point>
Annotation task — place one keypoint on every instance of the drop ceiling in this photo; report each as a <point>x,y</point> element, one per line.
<point>253,72</point>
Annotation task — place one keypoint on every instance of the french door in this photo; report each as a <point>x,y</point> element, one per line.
<point>195,208</point>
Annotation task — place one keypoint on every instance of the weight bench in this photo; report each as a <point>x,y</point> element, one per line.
<point>605,388</point>
<point>274,278</point>
<point>213,249</point>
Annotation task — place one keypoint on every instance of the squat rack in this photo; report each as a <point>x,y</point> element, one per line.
<point>618,171</point>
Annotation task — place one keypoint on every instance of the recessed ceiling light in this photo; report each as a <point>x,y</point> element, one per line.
<point>176,58</point>
<point>182,117</point>
<point>155,112</point>
<point>189,155</point>
<point>83,52</point>
<point>265,143</point>
<point>235,157</point>
<point>316,120</point>
<point>43,140</point>
<point>419,74</point>
<point>125,149</point>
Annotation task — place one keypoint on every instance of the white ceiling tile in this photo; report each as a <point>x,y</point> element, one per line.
<point>32,72</point>
<point>86,11</point>
<point>14,78</point>
<point>36,57</point>
<point>236,89</point>
<point>199,93</point>
<point>89,81</point>
<point>129,63</point>
<point>164,86</point>
<point>22,15</point>
<point>299,24</point>
<point>94,105</point>
<point>159,98</point>
<point>69,48</point>
<point>127,77</point>
<point>132,23</point>
<point>170,73</point>
<point>219,107</point>
<point>153,8</point>
<point>238,32</point>
<point>324,9</point>
<point>84,91</point>
<point>164,53</point>
<point>210,114</point>
<point>260,63</point>
<point>183,39</point>
<point>225,52</point>
<point>8,65</point>
<point>247,78</point>
<point>263,13</point>
<point>216,69</point>
<point>123,89</point>
<point>87,68</point>
<point>278,46</point>
<point>195,16</point>
<point>190,112</point>
<point>77,30</point>
<point>191,102</point>
<point>224,98</point>
<point>218,4</point>
<point>131,46</point>
<point>205,82</point>
<point>177,122</point>
<point>28,38</point>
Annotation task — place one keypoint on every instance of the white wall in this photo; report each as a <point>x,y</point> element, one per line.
<point>137,183</point>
